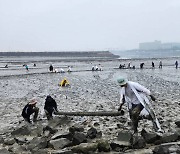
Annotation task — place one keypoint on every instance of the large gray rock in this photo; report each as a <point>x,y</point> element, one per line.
<point>50,129</point>
<point>150,137</point>
<point>103,146</point>
<point>20,140</point>
<point>4,151</point>
<point>174,149</point>
<point>59,143</point>
<point>138,142</point>
<point>161,150</point>
<point>85,148</point>
<point>91,133</point>
<point>99,134</point>
<point>169,138</point>
<point>116,147</point>
<point>40,151</point>
<point>58,121</point>
<point>16,148</point>
<point>123,141</point>
<point>78,138</point>
<point>37,130</point>
<point>37,143</point>
<point>124,138</point>
<point>9,141</point>
<point>24,130</point>
<point>76,128</point>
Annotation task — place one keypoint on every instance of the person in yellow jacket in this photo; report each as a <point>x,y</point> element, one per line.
<point>64,83</point>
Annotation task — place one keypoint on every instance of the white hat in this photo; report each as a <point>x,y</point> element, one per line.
<point>33,101</point>
<point>122,81</point>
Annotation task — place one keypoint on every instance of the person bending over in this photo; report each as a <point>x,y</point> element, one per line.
<point>29,109</point>
<point>138,104</point>
<point>50,107</point>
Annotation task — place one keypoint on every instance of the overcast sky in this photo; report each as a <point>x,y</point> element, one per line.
<point>59,25</point>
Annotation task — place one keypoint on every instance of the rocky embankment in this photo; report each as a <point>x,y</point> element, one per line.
<point>61,136</point>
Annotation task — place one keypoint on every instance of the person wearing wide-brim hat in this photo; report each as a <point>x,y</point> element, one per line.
<point>29,109</point>
<point>135,95</point>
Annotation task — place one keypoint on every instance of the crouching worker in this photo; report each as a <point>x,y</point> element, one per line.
<point>50,107</point>
<point>138,104</point>
<point>64,83</point>
<point>29,109</point>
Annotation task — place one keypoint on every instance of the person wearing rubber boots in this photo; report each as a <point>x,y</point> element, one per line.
<point>50,107</point>
<point>30,109</point>
<point>135,95</point>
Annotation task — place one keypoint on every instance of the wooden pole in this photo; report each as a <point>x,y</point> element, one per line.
<point>99,113</point>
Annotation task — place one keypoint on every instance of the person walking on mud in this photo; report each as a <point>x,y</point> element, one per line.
<point>138,104</point>
<point>29,109</point>
<point>153,66</point>
<point>160,64</point>
<point>176,64</point>
<point>50,107</point>
<point>141,65</point>
<point>27,68</point>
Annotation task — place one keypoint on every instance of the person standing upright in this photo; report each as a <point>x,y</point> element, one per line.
<point>153,66</point>
<point>160,64</point>
<point>51,68</point>
<point>176,64</point>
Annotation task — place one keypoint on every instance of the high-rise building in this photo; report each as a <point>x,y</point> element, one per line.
<point>157,45</point>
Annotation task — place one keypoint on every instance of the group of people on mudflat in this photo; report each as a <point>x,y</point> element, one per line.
<point>50,107</point>
<point>142,65</point>
<point>131,93</point>
<point>55,70</point>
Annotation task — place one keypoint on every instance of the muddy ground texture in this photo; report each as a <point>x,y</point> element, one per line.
<point>88,91</point>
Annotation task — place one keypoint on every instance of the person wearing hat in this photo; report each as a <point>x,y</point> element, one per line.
<point>50,107</point>
<point>135,95</point>
<point>29,109</point>
<point>64,83</point>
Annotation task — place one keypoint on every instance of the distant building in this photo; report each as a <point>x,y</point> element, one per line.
<point>170,46</point>
<point>157,45</point>
<point>150,45</point>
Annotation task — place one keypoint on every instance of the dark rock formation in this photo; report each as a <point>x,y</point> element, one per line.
<point>91,133</point>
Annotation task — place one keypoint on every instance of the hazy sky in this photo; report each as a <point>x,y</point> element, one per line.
<point>58,25</point>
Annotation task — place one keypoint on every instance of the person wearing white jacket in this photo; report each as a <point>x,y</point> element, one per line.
<point>138,104</point>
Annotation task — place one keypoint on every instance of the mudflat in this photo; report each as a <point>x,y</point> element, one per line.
<point>89,90</point>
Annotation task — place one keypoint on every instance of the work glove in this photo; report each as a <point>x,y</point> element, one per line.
<point>152,97</point>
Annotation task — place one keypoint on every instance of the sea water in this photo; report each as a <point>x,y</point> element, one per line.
<point>131,54</point>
